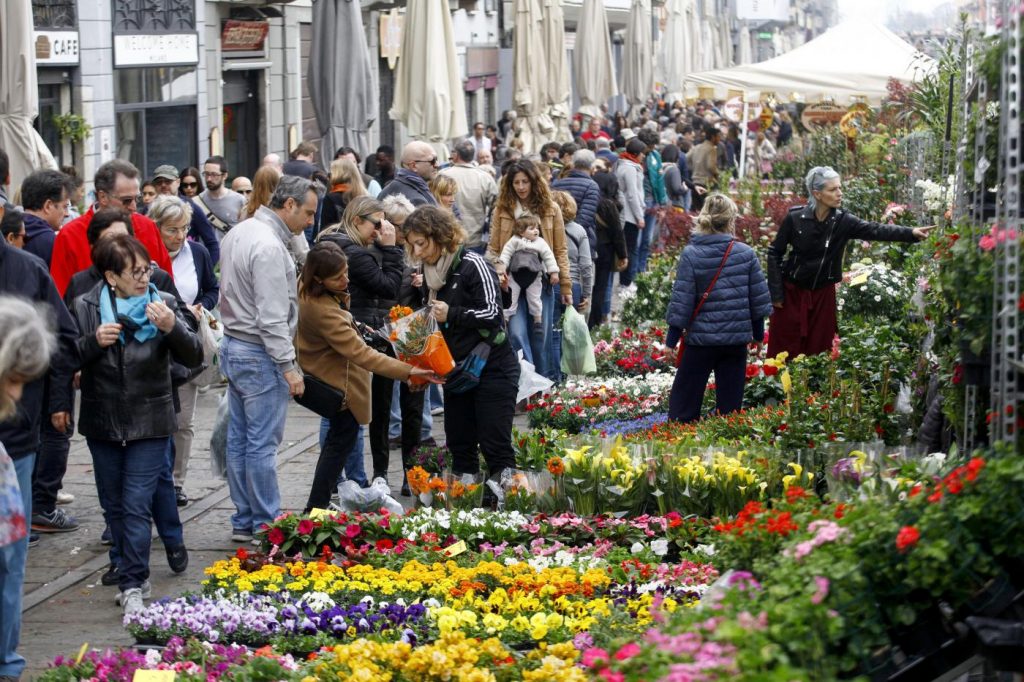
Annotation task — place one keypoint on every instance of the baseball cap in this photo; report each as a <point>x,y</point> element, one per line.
<point>166,171</point>
<point>627,134</point>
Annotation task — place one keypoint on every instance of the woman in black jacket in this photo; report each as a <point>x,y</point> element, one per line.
<point>129,332</point>
<point>805,262</point>
<point>375,266</point>
<point>466,300</point>
<point>611,243</point>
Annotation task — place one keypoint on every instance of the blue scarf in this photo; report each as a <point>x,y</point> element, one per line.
<point>131,310</point>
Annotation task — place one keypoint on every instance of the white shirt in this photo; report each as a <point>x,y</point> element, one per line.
<point>186,279</point>
<point>481,144</point>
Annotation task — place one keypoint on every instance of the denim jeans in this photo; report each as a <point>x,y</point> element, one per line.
<point>127,477</point>
<point>556,334</point>
<point>647,236</point>
<point>435,396</point>
<point>536,347</point>
<point>632,235</point>
<point>257,406</point>
<point>165,511</point>
<point>395,427</point>
<point>12,577</point>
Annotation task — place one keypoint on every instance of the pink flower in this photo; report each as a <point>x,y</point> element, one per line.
<point>628,651</point>
<point>594,656</point>
<point>352,530</point>
<point>987,243</point>
<point>612,676</point>
<point>822,589</point>
<point>305,527</point>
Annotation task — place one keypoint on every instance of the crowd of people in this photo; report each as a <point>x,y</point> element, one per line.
<point>301,263</point>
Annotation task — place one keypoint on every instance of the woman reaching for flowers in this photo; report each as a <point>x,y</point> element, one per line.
<point>332,349</point>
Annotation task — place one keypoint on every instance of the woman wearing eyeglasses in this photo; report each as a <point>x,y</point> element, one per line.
<point>375,274</point>
<point>198,287</point>
<point>129,332</point>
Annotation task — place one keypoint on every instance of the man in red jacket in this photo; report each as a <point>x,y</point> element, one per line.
<point>117,186</point>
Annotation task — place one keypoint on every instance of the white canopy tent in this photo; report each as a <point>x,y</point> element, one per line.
<point>851,61</point>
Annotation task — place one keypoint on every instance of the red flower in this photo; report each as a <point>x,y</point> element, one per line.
<point>889,409</point>
<point>795,493</point>
<point>384,545</point>
<point>305,527</point>
<point>276,536</point>
<point>753,371</point>
<point>352,530</point>
<point>783,427</point>
<point>241,554</point>
<point>770,371</point>
<point>907,538</point>
<point>973,467</point>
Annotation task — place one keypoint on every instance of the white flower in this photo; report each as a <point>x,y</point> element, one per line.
<point>660,547</point>
<point>878,298</point>
<point>706,549</point>
<point>637,547</point>
<point>153,657</point>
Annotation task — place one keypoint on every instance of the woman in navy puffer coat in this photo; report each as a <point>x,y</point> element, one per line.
<point>731,317</point>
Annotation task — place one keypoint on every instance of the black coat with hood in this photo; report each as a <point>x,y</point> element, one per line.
<point>374,278</point>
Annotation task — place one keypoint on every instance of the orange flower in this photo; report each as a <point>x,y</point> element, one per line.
<point>418,480</point>
<point>437,484</point>
<point>556,466</point>
<point>398,312</point>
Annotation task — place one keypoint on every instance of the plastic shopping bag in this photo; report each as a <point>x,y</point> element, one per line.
<point>530,382</point>
<point>418,341</point>
<point>219,440</point>
<point>352,497</point>
<point>577,346</point>
<point>210,334</point>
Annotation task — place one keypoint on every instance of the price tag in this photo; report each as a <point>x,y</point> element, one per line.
<point>456,549</point>
<point>153,676</point>
<point>318,514</point>
<point>81,653</point>
<point>859,279</point>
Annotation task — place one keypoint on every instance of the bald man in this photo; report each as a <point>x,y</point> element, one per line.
<point>242,185</point>
<point>419,166</point>
<point>274,161</point>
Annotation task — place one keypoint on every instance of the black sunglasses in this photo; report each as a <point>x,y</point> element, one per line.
<point>376,223</point>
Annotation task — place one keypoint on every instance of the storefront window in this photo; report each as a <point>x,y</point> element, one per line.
<point>156,112</point>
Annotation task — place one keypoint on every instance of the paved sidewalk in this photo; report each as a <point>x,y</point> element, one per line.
<point>65,603</point>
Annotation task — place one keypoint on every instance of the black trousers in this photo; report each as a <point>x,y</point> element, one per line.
<point>411,405</point>
<point>480,420</point>
<point>729,364</point>
<point>380,419</point>
<point>632,234</point>
<point>602,273</point>
<point>51,463</point>
<point>341,438</point>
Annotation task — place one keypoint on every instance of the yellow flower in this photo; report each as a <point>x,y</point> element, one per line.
<point>787,381</point>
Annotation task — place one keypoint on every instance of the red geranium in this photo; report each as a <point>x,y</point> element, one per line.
<point>305,527</point>
<point>276,536</point>
<point>907,538</point>
<point>352,530</point>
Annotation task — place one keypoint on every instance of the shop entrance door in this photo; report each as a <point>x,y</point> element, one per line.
<point>242,122</point>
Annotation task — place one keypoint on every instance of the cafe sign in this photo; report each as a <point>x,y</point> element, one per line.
<point>56,47</point>
<point>243,36</point>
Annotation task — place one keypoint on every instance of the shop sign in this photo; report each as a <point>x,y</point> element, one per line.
<point>56,47</point>
<point>243,36</point>
<point>391,26</point>
<point>156,50</point>
<point>734,110</point>
<point>763,10</point>
<point>822,114</point>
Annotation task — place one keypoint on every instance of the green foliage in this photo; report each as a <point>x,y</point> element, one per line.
<point>72,127</point>
<point>653,292</point>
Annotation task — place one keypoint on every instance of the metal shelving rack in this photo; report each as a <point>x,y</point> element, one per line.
<point>1006,289</point>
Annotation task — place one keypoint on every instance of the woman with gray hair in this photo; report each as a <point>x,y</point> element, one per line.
<point>375,267</point>
<point>805,262</point>
<point>199,289</point>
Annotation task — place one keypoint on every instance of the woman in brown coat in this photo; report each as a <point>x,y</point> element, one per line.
<point>332,349</point>
<point>524,191</point>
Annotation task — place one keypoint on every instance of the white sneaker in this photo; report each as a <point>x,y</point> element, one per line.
<point>145,590</point>
<point>131,600</point>
<point>64,498</point>
<point>437,411</point>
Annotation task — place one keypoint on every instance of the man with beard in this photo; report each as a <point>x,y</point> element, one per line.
<point>220,204</point>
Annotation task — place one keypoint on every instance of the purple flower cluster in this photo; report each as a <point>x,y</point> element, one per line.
<point>622,427</point>
<point>249,619</point>
<point>338,620</point>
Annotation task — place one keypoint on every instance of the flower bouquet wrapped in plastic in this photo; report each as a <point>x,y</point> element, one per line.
<point>418,341</point>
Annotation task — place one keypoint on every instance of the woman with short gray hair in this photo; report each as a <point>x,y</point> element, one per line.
<point>198,287</point>
<point>805,262</point>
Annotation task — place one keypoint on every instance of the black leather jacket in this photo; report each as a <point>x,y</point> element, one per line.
<point>126,388</point>
<point>810,253</point>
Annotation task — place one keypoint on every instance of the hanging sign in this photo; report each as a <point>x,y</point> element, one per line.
<point>763,10</point>
<point>766,118</point>
<point>391,26</point>
<point>822,114</point>
<point>243,36</point>
<point>56,47</point>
